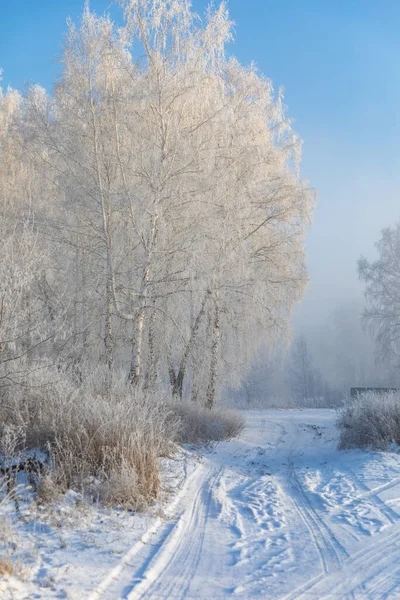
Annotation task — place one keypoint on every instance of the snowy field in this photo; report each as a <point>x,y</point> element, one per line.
<point>278,513</point>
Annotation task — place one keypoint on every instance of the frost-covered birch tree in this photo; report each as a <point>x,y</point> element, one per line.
<point>170,200</point>
<point>24,323</point>
<point>382,292</point>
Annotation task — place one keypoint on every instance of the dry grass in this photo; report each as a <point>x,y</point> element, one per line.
<point>103,432</point>
<point>371,420</point>
<point>6,566</point>
<point>9,566</point>
<point>199,425</point>
<point>94,431</point>
<point>47,492</point>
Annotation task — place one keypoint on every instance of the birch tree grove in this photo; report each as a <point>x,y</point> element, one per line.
<point>165,198</point>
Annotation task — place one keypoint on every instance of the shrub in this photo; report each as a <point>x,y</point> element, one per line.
<point>97,430</point>
<point>370,420</point>
<point>101,438</point>
<point>199,425</point>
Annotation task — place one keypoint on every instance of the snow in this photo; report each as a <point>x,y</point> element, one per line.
<point>277,513</point>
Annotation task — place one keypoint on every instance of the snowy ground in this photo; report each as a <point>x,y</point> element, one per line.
<point>279,513</point>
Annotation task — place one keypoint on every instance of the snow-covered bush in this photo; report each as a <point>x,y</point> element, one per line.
<point>370,420</point>
<point>103,438</point>
<point>95,431</point>
<point>201,425</point>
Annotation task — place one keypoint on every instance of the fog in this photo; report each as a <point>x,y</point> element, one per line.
<point>338,66</point>
<point>355,200</point>
<point>342,89</point>
<point>354,203</point>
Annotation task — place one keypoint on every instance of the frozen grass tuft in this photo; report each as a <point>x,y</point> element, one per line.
<point>8,565</point>
<point>199,425</point>
<point>102,438</point>
<point>371,420</point>
<point>99,430</point>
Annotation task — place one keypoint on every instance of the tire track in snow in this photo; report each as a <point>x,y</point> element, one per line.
<point>176,560</point>
<point>382,488</point>
<point>373,494</point>
<point>115,573</point>
<point>358,505</point>
<point>173,567</point>
<point>356,572</point>
<point>331,552</point>
<point>353,577</point>
<point>384,585</point>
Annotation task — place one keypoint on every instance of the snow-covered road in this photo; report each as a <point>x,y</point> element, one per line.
<point>279,513</point>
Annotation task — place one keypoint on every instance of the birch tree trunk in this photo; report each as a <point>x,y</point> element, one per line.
<point>105,218</point>
<point>214,362</point>
<point>177,379</point>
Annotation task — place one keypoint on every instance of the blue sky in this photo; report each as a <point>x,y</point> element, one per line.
<point>338,62</point>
